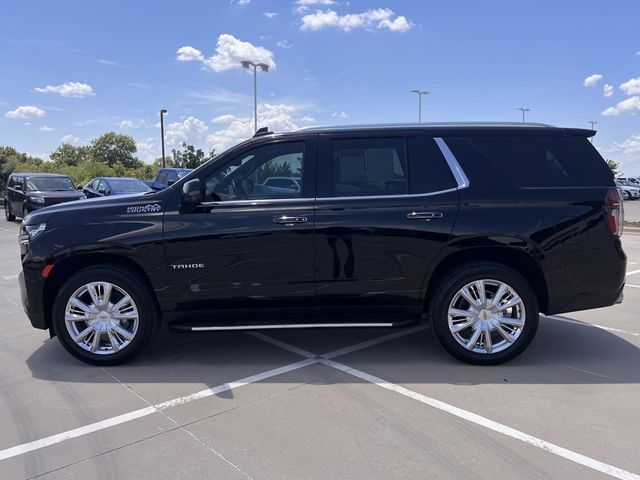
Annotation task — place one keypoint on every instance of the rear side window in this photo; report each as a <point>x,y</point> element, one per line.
<point>428,171</point>
<point>12,181</point>
<point>540,161</point>
<point>162,177</point>
<point>369,166</point>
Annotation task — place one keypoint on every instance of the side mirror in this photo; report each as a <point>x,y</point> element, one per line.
<point>170,182</point>
<point>80,188</point>
<point>17,186</point>
<point>102,191</point>
<point>191,195</point>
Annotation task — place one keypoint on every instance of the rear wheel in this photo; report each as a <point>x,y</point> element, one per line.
<point>484,313</point>
<point>7,212</point>
<point>105,315</point>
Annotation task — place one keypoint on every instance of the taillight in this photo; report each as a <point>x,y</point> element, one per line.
<point>615,212</point>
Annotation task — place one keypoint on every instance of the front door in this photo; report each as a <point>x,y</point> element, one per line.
<point>248,244</point>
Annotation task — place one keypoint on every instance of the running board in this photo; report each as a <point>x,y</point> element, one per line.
<point>208,328</point>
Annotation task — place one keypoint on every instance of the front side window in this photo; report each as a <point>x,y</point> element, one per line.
<point>250,175</point>
<point>369,166</point>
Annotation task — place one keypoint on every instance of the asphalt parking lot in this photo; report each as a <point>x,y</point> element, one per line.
<point>632,210</point>
<point>324,404</point>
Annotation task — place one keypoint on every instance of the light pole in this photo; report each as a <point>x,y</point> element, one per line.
<point>162,112</point>
<point>265,68</point>
<point>420,93</point>
<point>523,110</point>
<point>593,127</point>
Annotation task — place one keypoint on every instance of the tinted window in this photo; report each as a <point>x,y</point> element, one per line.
<point>428,171</point>
<point>50,184</point>
<point>244,177</point>
<point>541,161</point>
<point>172,176</point>
<point>12,181</point>
<point>369,166</point>
<point>125,185</point>
<point>162,177</point>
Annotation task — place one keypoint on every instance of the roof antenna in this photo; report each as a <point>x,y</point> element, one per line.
<point>262,131</point>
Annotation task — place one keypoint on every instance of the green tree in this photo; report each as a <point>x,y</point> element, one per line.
<point>614,166</point>
<point>114,148</point>
<point>190,157</point>
<point>70,155</point>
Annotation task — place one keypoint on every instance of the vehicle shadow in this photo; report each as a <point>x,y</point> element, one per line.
<point>561,353</point>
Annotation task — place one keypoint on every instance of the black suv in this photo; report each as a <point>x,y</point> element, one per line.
<point>168,176</point>
<point>474,227</point>
<point>30,191</point>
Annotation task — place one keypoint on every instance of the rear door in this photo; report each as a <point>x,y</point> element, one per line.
<point>247,244</point>
<point>386,205</point>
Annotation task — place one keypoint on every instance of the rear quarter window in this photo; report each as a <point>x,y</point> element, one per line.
<point>538,161</point>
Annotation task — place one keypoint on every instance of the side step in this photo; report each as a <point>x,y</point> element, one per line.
<point>206,327</point>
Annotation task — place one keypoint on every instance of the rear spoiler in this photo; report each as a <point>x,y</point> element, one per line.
<point>581,132</point>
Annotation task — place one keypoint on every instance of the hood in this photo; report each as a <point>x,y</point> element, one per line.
<point>94,206</point>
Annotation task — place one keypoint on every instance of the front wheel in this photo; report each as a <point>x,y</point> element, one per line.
<point>105,315</point>
<point>484,313</point>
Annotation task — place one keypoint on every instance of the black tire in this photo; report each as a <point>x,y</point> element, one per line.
<point>148,313</point>
<point>7,212</point>
<point>462,276</point>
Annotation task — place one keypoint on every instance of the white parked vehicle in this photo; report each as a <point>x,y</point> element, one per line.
<point>629,190</point>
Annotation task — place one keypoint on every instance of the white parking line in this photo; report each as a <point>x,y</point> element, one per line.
<point>592,325</point>
<point>631,285</point>
<point>490,424</point>
<point>632,272</point>
<point>461,413</point>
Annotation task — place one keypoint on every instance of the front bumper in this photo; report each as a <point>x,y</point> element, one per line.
<point>31,292</point>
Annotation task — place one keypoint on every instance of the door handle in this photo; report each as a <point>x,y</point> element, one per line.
<point>286,220</point>
<point>424,215</point>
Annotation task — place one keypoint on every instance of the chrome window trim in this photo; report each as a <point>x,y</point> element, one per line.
<point>456,169</point>
<point>380,197</point>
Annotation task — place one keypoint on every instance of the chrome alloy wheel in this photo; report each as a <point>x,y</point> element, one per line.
<point>101,318</point>
<point>486,316</point>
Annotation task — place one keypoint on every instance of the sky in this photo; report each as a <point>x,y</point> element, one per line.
<point>72,70</point>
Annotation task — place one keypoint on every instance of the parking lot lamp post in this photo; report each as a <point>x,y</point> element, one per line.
<point>523,110</point>
<point>420,93</point>
<point>265,68</point>
<point>593,127</point>
<point>162,112</point>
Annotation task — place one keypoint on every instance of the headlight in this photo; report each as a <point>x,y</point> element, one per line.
<point>31,232</point>
<point>39,200</point>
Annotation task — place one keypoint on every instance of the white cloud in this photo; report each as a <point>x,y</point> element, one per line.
<point>631,86</point>
<point>308,119</point>
<point>627,153</point>
<point>110,63</point>
<point>286,44</point>
<point>68,89</point>
<point>128,124</point>
<point>27,111</point>
<point>278,117</point>
<point>148,149</point>
<point>26,124</point>
<point>339,114</point>
<point>229,53</point>
<point>244,2</point>
<point>44,128</point>
<point>379,18</point>
<point>607,90</point>
<point>188,130</point>
<point>592,80</point>
<point>269,14</point>
<point>228,118</point>
<point>72,139</point>
<point>631,105</point>
<point>304,5</point>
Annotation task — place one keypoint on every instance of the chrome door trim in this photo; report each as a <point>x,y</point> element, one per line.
<point>456,169</point>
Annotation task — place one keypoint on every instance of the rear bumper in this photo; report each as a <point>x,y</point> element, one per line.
<point>586,280</point>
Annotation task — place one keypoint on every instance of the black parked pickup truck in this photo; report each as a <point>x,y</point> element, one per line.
<point>27,192</point>
<point>474,227</point>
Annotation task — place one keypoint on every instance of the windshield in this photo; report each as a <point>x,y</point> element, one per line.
<point>182,173</point>
<point>126,185</point>
<point>50,184</point>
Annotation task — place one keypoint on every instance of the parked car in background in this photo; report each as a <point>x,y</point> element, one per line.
<point>476,228</point>
<point>632,191</point>
<point>168,176</point>
<point>105,186</point>
<point>292,183</point>
<point>27,192</point>
<point>632,180</point>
